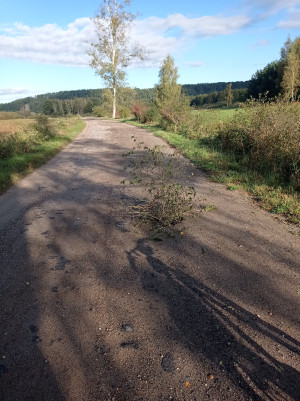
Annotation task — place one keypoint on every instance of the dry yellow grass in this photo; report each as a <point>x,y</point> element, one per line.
<point>13,126</point>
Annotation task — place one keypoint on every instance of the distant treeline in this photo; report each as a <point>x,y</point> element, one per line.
<point>218,99</point>
<point>205,89</point>
<point>83,100</point>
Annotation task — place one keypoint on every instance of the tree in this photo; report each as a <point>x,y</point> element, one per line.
<point>127,97</point>
<point>167,91</point>
<point>111,53</point>
<point>291,76</point>
<point>173,106</point>
<point>228,94</point>
<point>266,81</point>
<point>286,48</point>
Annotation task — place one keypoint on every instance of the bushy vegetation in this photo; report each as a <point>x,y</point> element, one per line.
<point>25,135</point>
<point>31,143</point>
<point>167,198</point>
<point>265,136</point>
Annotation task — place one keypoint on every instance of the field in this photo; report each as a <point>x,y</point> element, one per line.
<point>13,126</point>
<point>26,144</point>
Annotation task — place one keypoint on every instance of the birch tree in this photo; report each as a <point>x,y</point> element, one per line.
<point>291,76</point>
<point>112,53</point>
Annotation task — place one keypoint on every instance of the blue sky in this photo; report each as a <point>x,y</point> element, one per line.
<point>43,44</point>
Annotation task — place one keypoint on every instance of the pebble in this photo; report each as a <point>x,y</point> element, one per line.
<point>167,363</point>
<point>126,327</point>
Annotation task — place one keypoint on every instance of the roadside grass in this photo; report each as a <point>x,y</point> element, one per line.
<point>207,153</point>
<point>31,149</point>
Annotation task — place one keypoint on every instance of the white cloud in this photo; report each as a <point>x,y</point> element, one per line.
<point>291,22</point>
<point>193,27</point>
<point>271,6</point>
<point>49,44</point>
<point>53,44</point>
<point>13,91</point>
<point>162,36</point>
<point>10,94</point>
<point>287,10</point>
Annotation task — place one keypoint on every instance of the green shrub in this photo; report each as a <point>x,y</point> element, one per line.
<point>19,143</point>
<point>44,127</point>
<point>124,112</point>
<point>98,111</point>
<point>153,113</point>
<point>266,137</point>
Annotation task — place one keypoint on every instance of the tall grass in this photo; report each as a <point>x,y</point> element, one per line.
<point>266,137</point>
<point>31,146</point>
<point>10,115</point>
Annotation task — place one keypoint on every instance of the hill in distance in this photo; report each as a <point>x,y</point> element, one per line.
<point>35,104</point>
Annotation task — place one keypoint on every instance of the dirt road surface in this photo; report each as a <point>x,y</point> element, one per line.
<point>92,309</point>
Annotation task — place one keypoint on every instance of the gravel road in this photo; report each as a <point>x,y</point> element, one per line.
<point>92,309</point>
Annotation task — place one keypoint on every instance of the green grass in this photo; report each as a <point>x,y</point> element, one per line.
<point>215,115</point>
<point>13,168</point>
<point>224,167</point>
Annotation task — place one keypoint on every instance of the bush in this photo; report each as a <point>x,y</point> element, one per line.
<point>153,113</point>
<point>19,143</point>
<point>44,127</point>
<point>266,136</point>
<point>161,177</point>
<point>24,140</point>
<point>98,111</point>
<point>124,112</point>
<point>140,112</point>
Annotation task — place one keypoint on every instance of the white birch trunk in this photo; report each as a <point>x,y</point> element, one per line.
<point>114,102</point>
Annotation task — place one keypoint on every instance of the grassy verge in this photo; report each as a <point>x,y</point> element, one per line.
<point>225,168</point>
<point>20,164</point>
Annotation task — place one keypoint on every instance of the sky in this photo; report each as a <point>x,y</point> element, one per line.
<point>43,45</point>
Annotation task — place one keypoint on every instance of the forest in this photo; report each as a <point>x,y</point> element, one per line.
<point>82,101</point>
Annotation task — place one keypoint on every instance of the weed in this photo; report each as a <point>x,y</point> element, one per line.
<point>160,176</point>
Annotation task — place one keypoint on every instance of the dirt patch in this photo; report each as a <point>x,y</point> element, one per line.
<point>92,309</point>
